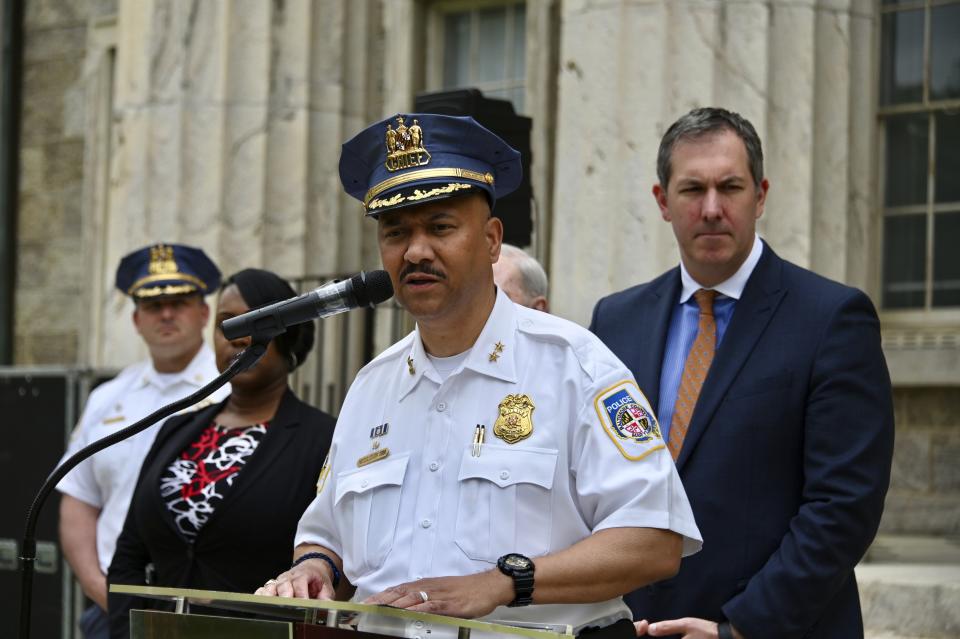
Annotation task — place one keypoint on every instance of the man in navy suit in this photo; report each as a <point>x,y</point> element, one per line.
<point>780,419</point>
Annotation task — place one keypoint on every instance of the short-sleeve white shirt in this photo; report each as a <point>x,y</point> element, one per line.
<point>107,479</point>
<point>431,508</point>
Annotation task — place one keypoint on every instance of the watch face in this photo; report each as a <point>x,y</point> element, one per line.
<point>517,562</point>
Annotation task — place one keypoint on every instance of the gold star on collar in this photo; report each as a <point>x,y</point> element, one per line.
<point>497,350</point>
<point>410,367</point>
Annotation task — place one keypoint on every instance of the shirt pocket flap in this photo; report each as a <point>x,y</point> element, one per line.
<point>389,472</point>
<point>507,466</point>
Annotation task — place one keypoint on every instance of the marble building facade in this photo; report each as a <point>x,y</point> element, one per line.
<point>218,123</point>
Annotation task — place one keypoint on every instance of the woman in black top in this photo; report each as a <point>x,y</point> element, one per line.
<point>222,489</point>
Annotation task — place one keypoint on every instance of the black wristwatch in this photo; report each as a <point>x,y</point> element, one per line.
<point>520,569</point>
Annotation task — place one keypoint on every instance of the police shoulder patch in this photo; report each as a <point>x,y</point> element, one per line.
<point>629,423</point>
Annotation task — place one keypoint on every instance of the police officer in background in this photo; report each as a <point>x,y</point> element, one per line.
<point>167,283</point>
<point>496,463</point>
<point>521,277</point>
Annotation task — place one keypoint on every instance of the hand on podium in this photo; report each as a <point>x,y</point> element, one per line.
<point>309,579</point>
<point>467,597</point>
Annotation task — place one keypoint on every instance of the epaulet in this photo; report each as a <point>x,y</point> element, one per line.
<point>594,358</point>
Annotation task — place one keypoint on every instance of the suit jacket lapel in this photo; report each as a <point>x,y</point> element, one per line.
<point>648,340</point>
<point>752,313</point>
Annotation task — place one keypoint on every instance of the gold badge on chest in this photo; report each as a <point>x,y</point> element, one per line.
<point>515,419</point>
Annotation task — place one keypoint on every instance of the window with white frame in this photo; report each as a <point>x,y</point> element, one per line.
<point>482,45</point>
<point>920,122</point>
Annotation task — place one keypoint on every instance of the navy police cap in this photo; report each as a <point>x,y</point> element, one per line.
<point>163,270</point>
<point>414,158</point>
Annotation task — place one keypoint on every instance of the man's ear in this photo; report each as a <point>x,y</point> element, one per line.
<point>762,196</point>
<point>136,318</point>
<point>204,311</point>
<point>493,231</point>
<point>660,195</point>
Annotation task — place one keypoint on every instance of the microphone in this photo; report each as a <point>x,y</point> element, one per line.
<point>361,290</point>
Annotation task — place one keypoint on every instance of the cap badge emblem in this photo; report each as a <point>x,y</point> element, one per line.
<point>161,260</point>
<point>405,146</point>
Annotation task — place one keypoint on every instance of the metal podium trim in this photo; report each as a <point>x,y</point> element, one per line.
<point>211,597</point>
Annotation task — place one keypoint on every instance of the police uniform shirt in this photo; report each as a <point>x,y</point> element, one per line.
<point>404,494</point>
<point>107,479</point>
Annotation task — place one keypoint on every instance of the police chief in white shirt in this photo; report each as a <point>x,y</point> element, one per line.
<point>167,283</point>
<point>497,463</point>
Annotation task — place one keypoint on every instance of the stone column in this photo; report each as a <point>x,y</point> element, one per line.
<point>228,120</point>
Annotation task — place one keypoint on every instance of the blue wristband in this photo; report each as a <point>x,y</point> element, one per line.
<point>724,630</point>
<point>326,558</point>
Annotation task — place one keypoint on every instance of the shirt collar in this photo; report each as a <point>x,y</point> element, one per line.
<point>731,287</point>
<point>492,354</point>
<point>192,375</point>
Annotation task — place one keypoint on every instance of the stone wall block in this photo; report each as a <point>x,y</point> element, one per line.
<point>287,156</point>
<point>693,47</point>
<point>861,248</point>
<point>912,513</point>
<point>945,462</point>
<point>606,225</point>
<point>742,60</point>
<point>45,14</point>
<point>245,146</point>
<point>34,348</point>
<point>936,407</point>
<point>247,32</point>
<point>169,28</point>
<point>831,141</point>
<point>63,162</point>
<point>787,221</point>
<point>59,42</point>
<point>164,162</point>
<point>201,181</point>
<point>204,47</point>
<point>42,117</point>
<point>912,455</point>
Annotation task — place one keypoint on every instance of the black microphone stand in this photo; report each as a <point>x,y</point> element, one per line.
<point>246,359</point>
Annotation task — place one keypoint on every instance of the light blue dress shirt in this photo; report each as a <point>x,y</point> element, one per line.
<point>684,322</point>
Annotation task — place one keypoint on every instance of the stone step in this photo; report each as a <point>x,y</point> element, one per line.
<point>910,600</point>
<point>899,549</point>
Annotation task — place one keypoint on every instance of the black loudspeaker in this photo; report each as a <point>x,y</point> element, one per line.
<point>499,117</point>
<point>34,409</point>
<point>39,407</point>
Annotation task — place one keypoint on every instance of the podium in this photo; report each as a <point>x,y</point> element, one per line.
<point>289,618</point>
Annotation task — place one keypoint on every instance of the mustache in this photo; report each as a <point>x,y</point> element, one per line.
<point>426,269</point>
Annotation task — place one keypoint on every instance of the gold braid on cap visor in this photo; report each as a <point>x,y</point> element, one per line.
<point>160,277</point>
<point>425,174</point>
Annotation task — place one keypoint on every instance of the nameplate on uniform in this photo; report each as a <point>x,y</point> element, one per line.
<point>375,456</point>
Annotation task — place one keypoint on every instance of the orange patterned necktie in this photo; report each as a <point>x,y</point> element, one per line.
<point>694,371</point>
